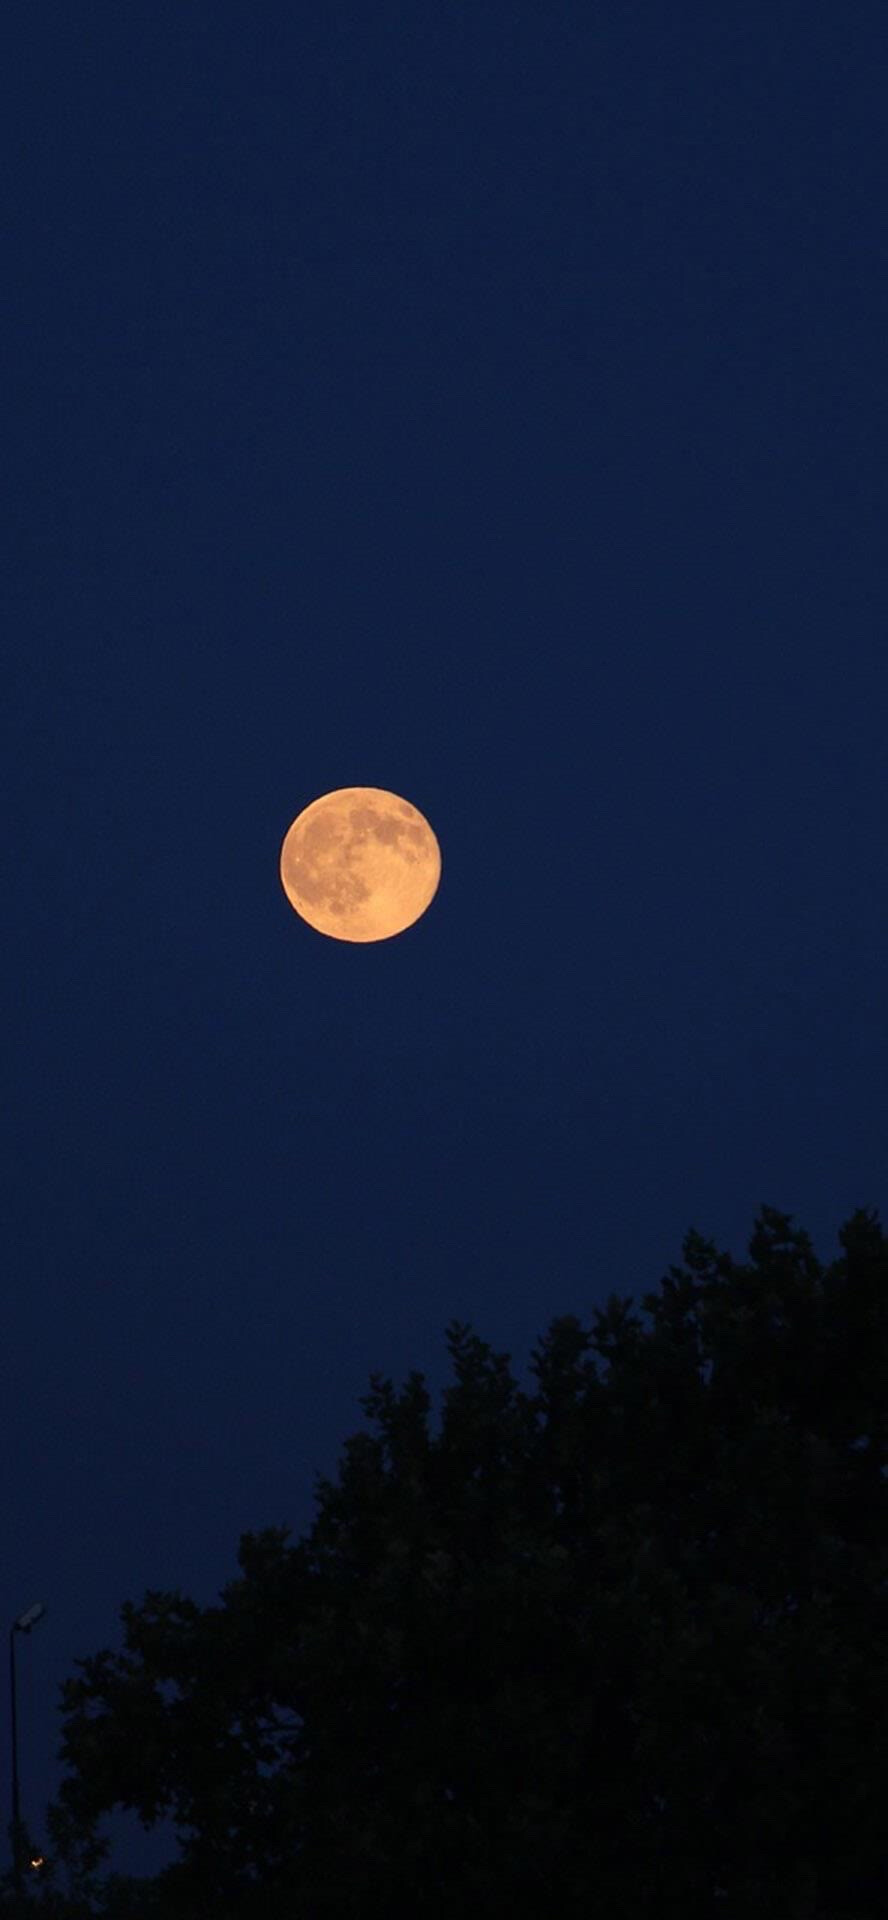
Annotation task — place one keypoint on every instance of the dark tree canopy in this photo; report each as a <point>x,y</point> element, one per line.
<point>617,1646</point>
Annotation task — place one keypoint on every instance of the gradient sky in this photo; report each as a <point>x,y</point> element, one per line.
<point>486,403</point>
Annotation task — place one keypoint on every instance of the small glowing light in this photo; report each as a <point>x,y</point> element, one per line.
<point>36,1861</point>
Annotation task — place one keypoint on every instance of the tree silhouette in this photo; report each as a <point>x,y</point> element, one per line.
<point>619,1645</point>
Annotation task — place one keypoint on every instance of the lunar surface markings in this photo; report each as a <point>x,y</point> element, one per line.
<point>360,864</point>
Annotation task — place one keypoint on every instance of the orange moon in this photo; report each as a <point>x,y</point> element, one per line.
<point>360,864</point>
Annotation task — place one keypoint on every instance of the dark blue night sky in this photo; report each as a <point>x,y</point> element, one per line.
<point>486,403</point>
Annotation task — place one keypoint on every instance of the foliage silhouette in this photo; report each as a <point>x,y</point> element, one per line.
<point>619,1645</point>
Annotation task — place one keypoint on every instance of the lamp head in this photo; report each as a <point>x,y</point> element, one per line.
<point>28,1620</point>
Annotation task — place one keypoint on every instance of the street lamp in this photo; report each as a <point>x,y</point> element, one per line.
<point>23,1624</point>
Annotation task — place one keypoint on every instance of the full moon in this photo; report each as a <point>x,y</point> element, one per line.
<point>360,864</point>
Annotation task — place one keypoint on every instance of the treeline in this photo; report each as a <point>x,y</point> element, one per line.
<point>618,1645</point>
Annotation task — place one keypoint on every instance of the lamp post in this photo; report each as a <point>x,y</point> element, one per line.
<point>23,1624</point>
